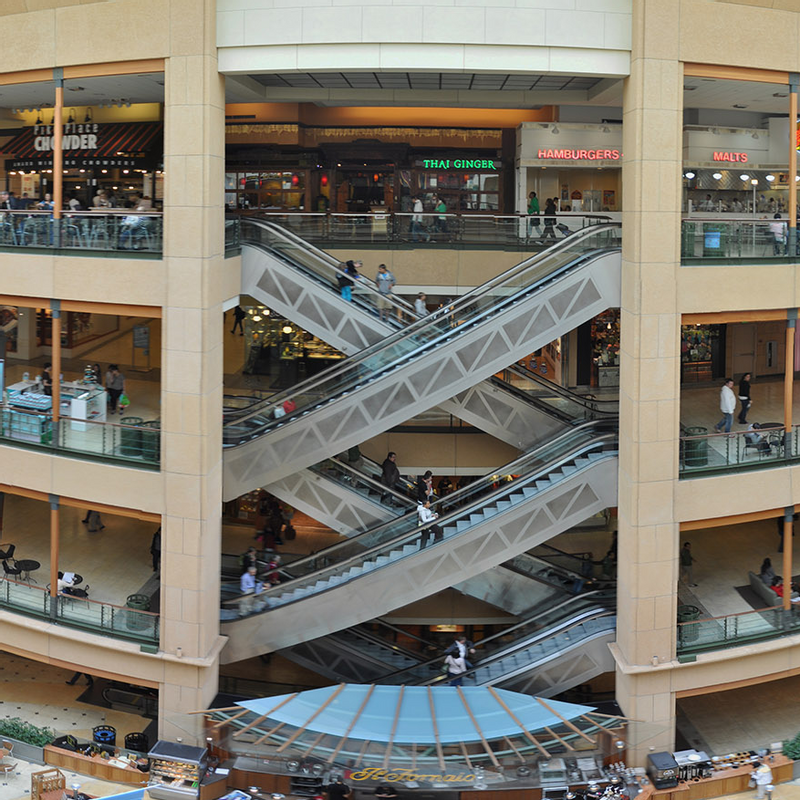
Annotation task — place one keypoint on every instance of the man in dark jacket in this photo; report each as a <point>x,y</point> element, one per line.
<point>390,474</point>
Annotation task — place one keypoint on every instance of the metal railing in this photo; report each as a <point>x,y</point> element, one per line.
<point>734,630</point>
<point>233,232</point>
<point>516,230</point>
<point>80,612</point>
<point>86,231</point>
<point>703,453</point>
<point>136,445</point>
<point>713,241</point>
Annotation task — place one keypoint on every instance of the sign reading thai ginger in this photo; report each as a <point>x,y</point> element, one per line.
<point>404,774</point>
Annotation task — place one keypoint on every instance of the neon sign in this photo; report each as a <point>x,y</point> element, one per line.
<point>458,163</point>
<point>581,155</point>
<point>406,774</point>
<point>738,158</point>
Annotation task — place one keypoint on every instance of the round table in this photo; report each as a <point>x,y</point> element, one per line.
<point>28,565</point>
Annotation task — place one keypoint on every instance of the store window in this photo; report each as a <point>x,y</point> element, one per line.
<point>266,190</point>
<point>702,352</point>
<point>605,348</point>
<point>77,327</point>
<point>461,191</point>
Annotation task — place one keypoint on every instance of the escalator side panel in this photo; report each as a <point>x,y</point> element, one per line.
<point>504,416</point>
<point>301,299</point>
<point>503,588</point>
<point>415,385</point>
<point>337,664</point>
<point>590,657</point>
<point>485,545</point>
<point>346,511</point>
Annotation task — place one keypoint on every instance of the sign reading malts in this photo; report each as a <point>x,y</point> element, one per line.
<point>580,155</point>
<point>458,163</point>
<point>735,158</point>
<point>76,136</point>
<point>405,774</point>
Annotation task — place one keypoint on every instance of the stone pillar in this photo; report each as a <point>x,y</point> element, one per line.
<point>650,376</point>
<point>191,391</point>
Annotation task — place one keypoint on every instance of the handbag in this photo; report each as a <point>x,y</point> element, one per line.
<point>444,669</point>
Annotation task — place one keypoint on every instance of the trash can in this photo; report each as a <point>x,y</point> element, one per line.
<point>130,440</point>
<point>137,602</point>
<point>695,448</point>
<point>715,240</point>
<point>151,440</point>
<point>687,239</point>
<point>104,734</point>
<point>137,742</point>
<point>688,633</point>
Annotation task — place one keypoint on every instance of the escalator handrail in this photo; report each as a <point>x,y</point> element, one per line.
<point>569,601</point>
<point>414,532</point>
<point>557,628</point>
<point>363,281</point>
<point>561,391</point>
<point>454,497</point>
<point>451,310</point>
<point>521,571</point>
<point>374,639</point>
<point>373,483</point>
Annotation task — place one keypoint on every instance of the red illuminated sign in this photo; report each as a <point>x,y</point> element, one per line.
<point>737,158</point>
<point>581,155</point>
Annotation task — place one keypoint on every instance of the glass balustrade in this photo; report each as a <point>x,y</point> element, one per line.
<point>80,612</point>
<point>85,231</point>
<point>715,241</point>
<point>734,630</point>
<point>135,445</point>
<point>703,453</point>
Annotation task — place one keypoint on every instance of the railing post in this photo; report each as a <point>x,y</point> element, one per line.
<point>788,381</point>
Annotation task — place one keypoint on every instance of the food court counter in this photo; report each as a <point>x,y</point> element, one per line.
<point>722,782</point>
<point>107,769</point>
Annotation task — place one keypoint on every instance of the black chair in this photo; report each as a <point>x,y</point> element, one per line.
<point>6,554</point>
<point>15,570</point>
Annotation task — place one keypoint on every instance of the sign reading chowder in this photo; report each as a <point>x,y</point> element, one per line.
<point>76,136</point>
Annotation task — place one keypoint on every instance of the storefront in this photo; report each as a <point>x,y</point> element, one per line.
<point>121,158</point>
<point>738,171</point>
<point>579,165</point>
<point>296,167</point>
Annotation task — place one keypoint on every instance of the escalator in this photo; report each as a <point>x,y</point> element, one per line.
<point>298,280</point>
<point>556,487</point>
<point>427,363</point>
<point>552,649</point>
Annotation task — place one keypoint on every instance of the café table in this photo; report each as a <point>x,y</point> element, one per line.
<point>28,565</point>
<point>73,578</point>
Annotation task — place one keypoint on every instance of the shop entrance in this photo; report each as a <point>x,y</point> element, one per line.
<point>576,189</point>
<point>363,188</point>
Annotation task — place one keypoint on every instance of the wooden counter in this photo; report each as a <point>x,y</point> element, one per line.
<point>724,782</point>
<point>93,765</point>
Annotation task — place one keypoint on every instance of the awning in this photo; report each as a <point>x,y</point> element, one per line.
<point>109,144</point>
<point>441,723</point>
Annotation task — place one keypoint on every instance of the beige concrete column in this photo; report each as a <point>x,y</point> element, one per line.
<point>650,364</point>
<point>191,393</point>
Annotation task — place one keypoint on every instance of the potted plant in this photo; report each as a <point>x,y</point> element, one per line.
<point>29,740</point>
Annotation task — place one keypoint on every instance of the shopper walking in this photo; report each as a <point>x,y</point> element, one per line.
<point>461,647</point>
<point>762,775</point>
<point>425,487</point>
<point>727,405</point>
<point>384,280</point>
<point>420,306</point>
<point>426,517</point>
<point>533,215</point>
<point>347,280</point>
<point>155,550</point>
<point>238,318</point>
<point>549,220</point>
<point>416,221</point>
<point>687,562</point>
<point>73,680</point>
<point>744,398</point>
<point>115,386</point>
<point>440,207</point>
<point>778,230</point>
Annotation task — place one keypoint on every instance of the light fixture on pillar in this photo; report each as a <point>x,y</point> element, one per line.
<point>555,129</point>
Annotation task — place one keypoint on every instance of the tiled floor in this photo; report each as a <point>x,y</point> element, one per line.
<point>41,697</point>
<point>723,725</point>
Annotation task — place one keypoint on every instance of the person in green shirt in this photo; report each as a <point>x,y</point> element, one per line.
<point>440,207</point>
<point>533,213</point>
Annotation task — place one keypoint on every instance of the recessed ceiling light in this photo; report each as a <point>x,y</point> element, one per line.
<point>716,176</point>
<point>738,105</point>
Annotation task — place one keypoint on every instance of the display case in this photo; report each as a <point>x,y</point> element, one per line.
<point>176,770</point>
<point>701,348</point>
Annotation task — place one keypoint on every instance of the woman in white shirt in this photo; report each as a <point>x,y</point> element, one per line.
<point>456,667</point>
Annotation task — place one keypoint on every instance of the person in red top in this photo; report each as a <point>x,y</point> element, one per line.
<point>777,587</point>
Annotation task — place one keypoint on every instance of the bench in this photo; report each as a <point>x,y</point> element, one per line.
<point>763,591</point>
